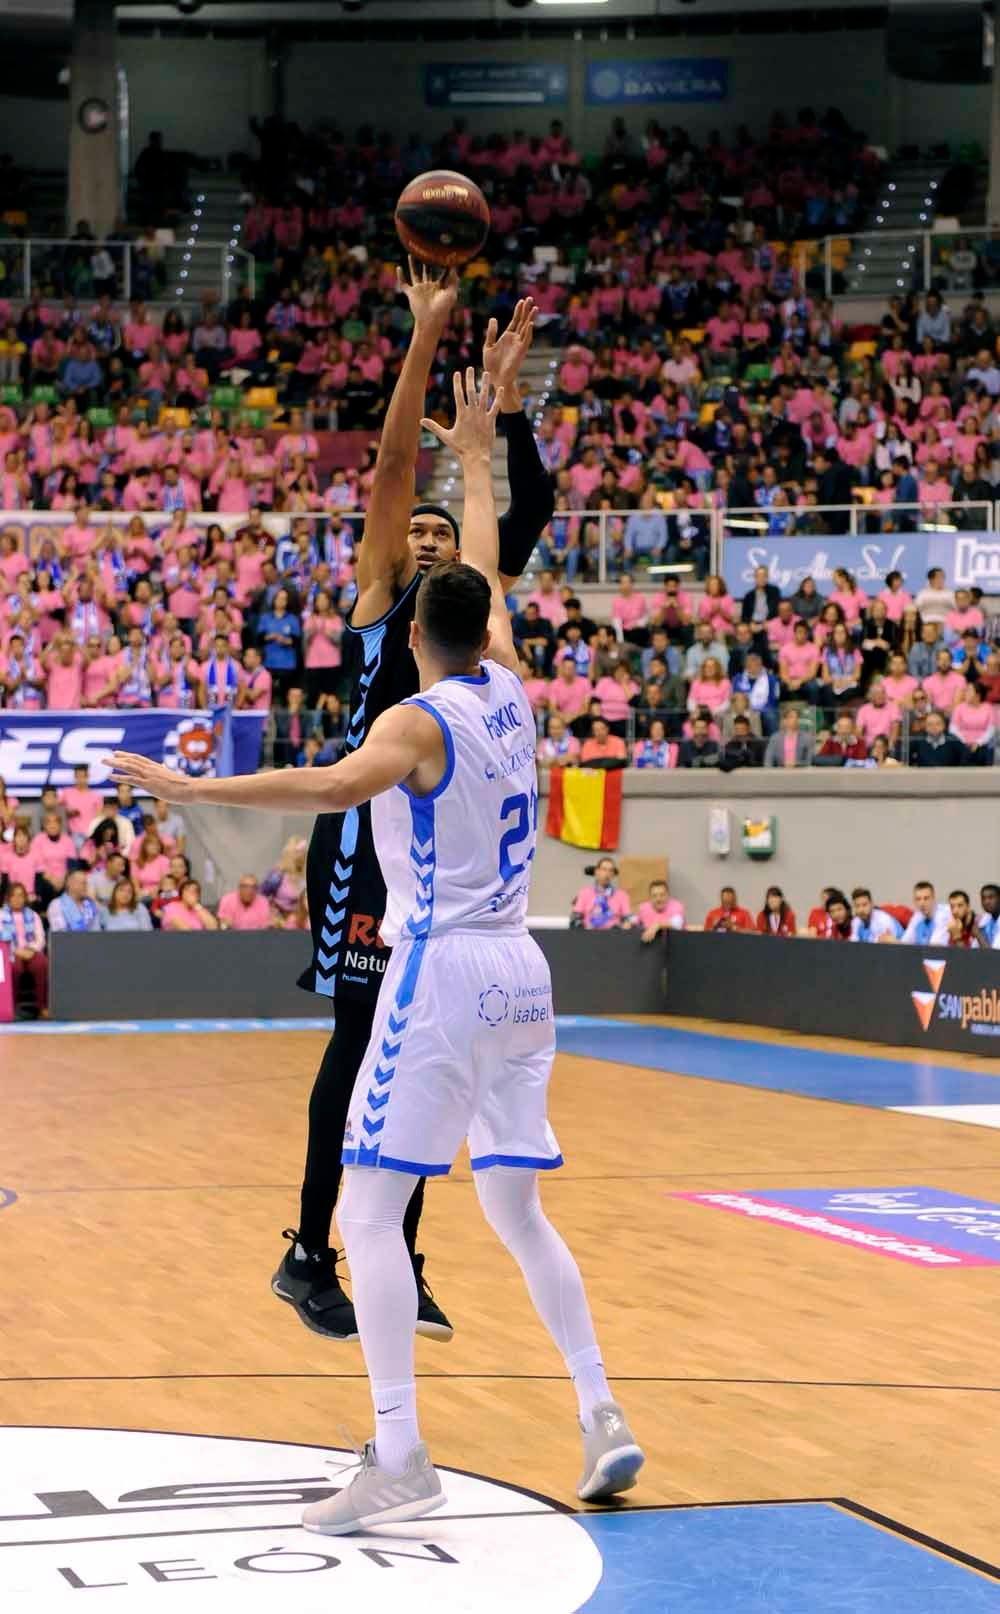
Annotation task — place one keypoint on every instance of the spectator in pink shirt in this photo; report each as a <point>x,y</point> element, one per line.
<point>140,331</point>
<point>601,906</point>
<point>296,441</point>
<point>244,908</point>
<point>717,607</point>
<point>18,861</point>
<point>63,664</point>
<point>187,911</point>
<point>878,716</point>
<point>660,912</point>
<point>53,852</point>
<point>853,601</point>
<point>630,610</point>
<point>899,685</point>
<point>548,599</point>
<point>973,722</point>
<point>615,695</point>
<point>148,863</point>
<point>945,686</point>
<point>80,803</point>
<point>255,691</point>
<point>586,475</point>
<point>964,616</point>
<point>894,596</point>
<point>798,666</point>
<point>933,488</point>
<point>569,694</point>
<point>710,689</point>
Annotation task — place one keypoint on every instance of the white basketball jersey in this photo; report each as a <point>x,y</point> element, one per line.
<point>460,858</point>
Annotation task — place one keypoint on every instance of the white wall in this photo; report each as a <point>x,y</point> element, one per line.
<point>200,92</point>
<point>846,835</point>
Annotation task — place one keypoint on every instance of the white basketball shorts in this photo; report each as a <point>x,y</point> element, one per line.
<point>462,1047</point>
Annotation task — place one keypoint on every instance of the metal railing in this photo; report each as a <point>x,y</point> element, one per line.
<point>919,260</point>
<point>817,722</point>
<point>123,269</point>
<point>602,545</point>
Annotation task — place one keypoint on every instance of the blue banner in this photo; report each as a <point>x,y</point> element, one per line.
<point>495,84</point>
<point>638,83</point>
<point>969,560</point>
<point>42,748</point>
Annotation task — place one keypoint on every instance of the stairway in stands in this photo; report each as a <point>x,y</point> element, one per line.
<point>894,264</point>
<point>197,264</point>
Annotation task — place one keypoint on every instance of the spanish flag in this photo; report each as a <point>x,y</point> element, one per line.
<point>585,807</point>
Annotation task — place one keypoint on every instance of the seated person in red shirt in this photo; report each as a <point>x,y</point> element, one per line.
<point>776,918</point>
<point>601,906</point>
<point>603,749</point>
<point>845,742</point>
<point>728,915</point>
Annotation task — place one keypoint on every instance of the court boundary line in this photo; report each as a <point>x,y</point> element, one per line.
<point>919,1537</point>
<point>514,1378</point>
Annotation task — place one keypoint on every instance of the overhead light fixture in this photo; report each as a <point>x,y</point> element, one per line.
<point>572,2</point>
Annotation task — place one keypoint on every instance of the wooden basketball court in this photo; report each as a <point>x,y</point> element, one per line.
<point>153,1175</point>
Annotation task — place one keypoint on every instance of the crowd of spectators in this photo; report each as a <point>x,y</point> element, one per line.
<point>602,904</point>
<point>764,680</point>
<point>80,861</point>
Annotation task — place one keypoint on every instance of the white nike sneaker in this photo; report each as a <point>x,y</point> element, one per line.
<point>376,1497</point>
<point>611,1457</point>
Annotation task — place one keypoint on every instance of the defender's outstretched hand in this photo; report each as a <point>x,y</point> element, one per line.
<point>475,426</point>
<point>503,357</point>
<point>431,297</point>
<point>164,783</point>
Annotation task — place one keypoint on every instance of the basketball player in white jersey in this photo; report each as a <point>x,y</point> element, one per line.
<point>463,1038</point>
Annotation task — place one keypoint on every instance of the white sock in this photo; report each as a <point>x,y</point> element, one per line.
<point>511,1204</point>
<point>384,1291</point>
<point>589,1382</point>
<point>396,1430</point>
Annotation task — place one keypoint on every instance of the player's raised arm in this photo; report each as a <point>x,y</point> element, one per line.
<point>405,743</point>
<point>532,498</point>
<point>384,560</point>
<point>471,439</point>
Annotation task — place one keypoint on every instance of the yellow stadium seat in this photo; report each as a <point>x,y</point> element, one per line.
<point>262,398</point>
<point>665,500</point>
<point>181,418</point>
<point>696,335</point>
<point>571,414</point>
<point>865,495</point>
<point>706,414</point>
<point>861,350</point>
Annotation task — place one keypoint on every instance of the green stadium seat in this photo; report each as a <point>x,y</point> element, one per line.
<point>100,418</point>
<point>12,393</point>
<point>226,397</point>
<point>45,394</point>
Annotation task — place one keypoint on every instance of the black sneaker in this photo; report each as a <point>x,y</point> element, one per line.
<point>307,1280</point>
<point>431,1320</point>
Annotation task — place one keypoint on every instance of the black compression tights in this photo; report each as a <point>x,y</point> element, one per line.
<point>328,1106</point>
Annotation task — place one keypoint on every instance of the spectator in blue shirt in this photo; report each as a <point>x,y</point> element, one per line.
<point>762,690</point>
<point>81,373</point>
<point>934,321</point>
<point>279,634</point>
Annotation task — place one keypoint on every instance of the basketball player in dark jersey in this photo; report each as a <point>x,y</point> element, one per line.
<point>346,890</point>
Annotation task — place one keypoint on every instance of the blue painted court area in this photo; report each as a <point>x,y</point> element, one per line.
<point>778,1067</point>
<point>781,1558</point>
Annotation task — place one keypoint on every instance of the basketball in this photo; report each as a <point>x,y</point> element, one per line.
<point>442,218</point>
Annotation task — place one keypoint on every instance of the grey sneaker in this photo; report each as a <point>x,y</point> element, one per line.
<point>611,1458</point>
<point>375,1497</point>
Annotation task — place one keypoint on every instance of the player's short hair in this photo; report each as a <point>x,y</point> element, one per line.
<point>453,609</point>
<point>860,891</point>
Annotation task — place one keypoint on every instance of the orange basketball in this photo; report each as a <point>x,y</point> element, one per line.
<point>442,218</point>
